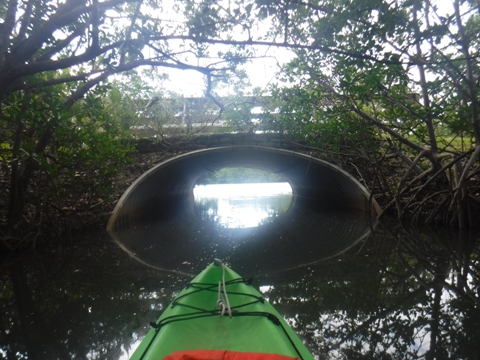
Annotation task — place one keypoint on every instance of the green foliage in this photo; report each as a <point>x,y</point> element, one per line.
<point>370,63</point>
<point>79,159</point>
<point>92,147</point>
<point>238,175</point>
<point>380,80</point>
<point>307,112</point>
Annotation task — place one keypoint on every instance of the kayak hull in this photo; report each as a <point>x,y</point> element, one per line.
<point>219,315</point>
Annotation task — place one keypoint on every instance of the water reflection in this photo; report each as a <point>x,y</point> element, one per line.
<point>243,230</point>
<point>419,297</point>
<point>242,205</point>
<point>404,292</point>
<point>85,302</point>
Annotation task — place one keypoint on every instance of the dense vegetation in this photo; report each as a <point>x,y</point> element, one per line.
<point>393,86</point>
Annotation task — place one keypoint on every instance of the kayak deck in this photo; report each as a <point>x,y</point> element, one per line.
<point>220,315</point>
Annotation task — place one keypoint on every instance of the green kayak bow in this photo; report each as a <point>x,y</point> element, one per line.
<point>220,315</point>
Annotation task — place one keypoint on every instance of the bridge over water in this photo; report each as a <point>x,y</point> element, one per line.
<point>155,220</point>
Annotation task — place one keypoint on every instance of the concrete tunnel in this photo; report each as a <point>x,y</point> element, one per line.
<point>156,223</point>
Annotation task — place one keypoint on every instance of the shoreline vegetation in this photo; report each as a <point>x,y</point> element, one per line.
<point>84,210</point>
<point>91,210</point>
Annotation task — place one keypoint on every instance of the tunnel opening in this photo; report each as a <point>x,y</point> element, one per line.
<point>240,197</point>
<point>155,219</point>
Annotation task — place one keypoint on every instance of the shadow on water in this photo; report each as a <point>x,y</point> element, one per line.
<point>274,246</point>
<point>183,243</point>
<point>403,292</point>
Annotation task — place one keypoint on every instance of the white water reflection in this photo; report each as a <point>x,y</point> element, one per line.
<point>242,205</point>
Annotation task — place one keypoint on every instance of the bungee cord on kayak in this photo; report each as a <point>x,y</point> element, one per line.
<point>222,301</point>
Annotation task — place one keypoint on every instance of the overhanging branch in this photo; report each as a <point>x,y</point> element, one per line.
<point>295,46</point>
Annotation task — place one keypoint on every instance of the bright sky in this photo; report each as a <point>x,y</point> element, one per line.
<point>261,72</point>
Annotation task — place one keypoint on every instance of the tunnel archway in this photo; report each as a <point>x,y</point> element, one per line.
<point>155,221</point>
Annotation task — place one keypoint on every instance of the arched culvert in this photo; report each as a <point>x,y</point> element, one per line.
<point>156,223</point>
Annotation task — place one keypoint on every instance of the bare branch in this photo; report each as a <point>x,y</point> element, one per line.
<point>423,85</point>
<point>465,172</point>
<point>59,45</point>
<point>57,81</point>
<point>95,23</point>
<point>65,15</point>
<point>129,31</point>
<point>7,27</point>
<point>297,46</point>
<point>385,128</point>
<point>472,87</point>
<point>26,21</point>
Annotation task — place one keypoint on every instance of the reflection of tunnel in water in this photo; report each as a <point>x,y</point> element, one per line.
<point>155,220</point>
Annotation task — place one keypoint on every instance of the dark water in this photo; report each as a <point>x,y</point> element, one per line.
<point>261,230</point>
<point>403,293</point>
